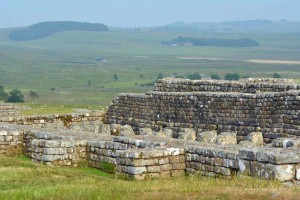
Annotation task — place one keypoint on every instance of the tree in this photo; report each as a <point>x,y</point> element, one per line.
<point>275,75</point>
<point>33,94</point>
<point>232,77</point>
<point>15,96</point>
<point>215,77</point>
<point>115,77</point>
<point>194,76</point>
<point>3,94</point>
<point>89,82</point>
<point>52,89</point>
<point>160,76</point>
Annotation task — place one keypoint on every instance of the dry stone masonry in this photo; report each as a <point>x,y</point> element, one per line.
<point>208,128</point>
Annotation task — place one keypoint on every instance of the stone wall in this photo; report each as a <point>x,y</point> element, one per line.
<point>273,113</point>
<point>11,140</point>
<point>143,157</point>
<point>77,121</point>
<point>247,86</point>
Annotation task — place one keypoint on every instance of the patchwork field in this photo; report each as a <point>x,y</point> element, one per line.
<point>68,63</point>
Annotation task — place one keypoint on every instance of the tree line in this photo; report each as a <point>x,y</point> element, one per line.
<point>217,42</point>
<point>45,29</point>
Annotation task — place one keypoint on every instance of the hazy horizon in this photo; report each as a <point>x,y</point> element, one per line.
<point>133,13</point>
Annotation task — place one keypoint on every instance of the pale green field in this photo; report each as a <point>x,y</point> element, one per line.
<point>66,61</point>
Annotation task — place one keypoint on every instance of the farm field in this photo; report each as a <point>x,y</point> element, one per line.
<point>22,179</point>
<point>60,67</point>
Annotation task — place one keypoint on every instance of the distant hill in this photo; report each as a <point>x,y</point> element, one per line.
<point>216,42</point>
<point>45,29</point>
<point>262,26</point>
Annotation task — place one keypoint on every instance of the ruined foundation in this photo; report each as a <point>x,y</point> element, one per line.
<point>210,128</point>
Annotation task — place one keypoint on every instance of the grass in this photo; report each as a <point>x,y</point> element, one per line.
<point>66,61</point>
<point>21,179</point>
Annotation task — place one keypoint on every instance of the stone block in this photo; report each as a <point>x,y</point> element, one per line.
<point>226,138</point>
<point>104,129</point>
<point>256,138</point>
<point>207,137</point>
<point>187,134</point>
<point>3,133</point>
<point>145,131</point>
<point>55,151</point>
<point>152,169</point>
<point>135,170</point>
<point>115,129</point>
<point>126,130</point>
<point>166,167</point>
<point>298,172</point>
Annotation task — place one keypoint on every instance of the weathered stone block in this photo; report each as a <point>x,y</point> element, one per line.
<point>226,138</point>
<point>145,131</point>
<point>187,134</point>
<point>152,169</point>
<point>104,129</point>
<point>207,137</point>
<point>126,131</point>
<point>256,138</point>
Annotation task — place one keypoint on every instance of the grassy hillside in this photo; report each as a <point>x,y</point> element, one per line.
<point>67,61</point>
<point>22,179</point>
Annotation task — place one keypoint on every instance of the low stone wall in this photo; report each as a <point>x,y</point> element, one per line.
<point>214,161</point>
<point>248,86</point>
<point>150,163</point>
<point>11,141</point>
<point>271,163</point>
<point>141,157</point>
<point>275,114</point>
<point>58,121</point>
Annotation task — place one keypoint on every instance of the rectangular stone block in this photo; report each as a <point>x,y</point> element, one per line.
<point>152,169</point>
<point>166,167</point>
<point>55,151</point>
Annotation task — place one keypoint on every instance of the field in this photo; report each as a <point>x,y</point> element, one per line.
<point>22,179</point>
<point>66,62</point>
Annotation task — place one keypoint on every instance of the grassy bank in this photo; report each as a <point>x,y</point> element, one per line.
<point>21,179</point>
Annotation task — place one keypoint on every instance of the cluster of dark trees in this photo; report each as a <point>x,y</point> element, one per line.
<point>217,42</point>
<point>45,29</point>
<point>13,96</point>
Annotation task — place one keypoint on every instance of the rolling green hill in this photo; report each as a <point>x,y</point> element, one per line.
<point>67,61</point>
<point>45,29</point>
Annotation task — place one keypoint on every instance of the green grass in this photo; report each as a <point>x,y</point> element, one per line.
<point>22,179</point>
<point>66,61</point>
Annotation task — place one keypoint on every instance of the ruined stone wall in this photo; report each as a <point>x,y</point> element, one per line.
<point>55,120</point>
<point>247,86</point>
<point>11,141</point>
<point>272,113</point>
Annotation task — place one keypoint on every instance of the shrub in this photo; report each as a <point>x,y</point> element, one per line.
<point>232,77</point>
<point>275,75</point>
<point>215,77</point>
<point>15,96</point>
<point>194,76</point>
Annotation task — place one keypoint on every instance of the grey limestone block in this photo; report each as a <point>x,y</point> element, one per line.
<point>126,130</point>
<point>207,137</point>
<point>226,138</point>
<point>187,134</point>
<point>256,138</point>
<point>145,131</point>
<point>104,129</point>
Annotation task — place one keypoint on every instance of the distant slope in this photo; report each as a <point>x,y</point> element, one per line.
<point>45,29</point>
<point>260,26</point>
<point>215,42</point>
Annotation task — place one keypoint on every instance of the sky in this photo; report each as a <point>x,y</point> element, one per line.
<point>144,13</point>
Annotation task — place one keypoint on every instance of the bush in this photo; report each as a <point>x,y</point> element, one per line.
<point>115,77</point>
<point>215,77</point>
<point>3,94</point>
<point>160,75</point>
<point>15,96</point>
<point>232,77</point>
<point>33,94</point>
<point>194,76</point>
<point>275,75</point>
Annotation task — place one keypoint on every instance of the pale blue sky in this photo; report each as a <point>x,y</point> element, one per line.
<point>133,13</point>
